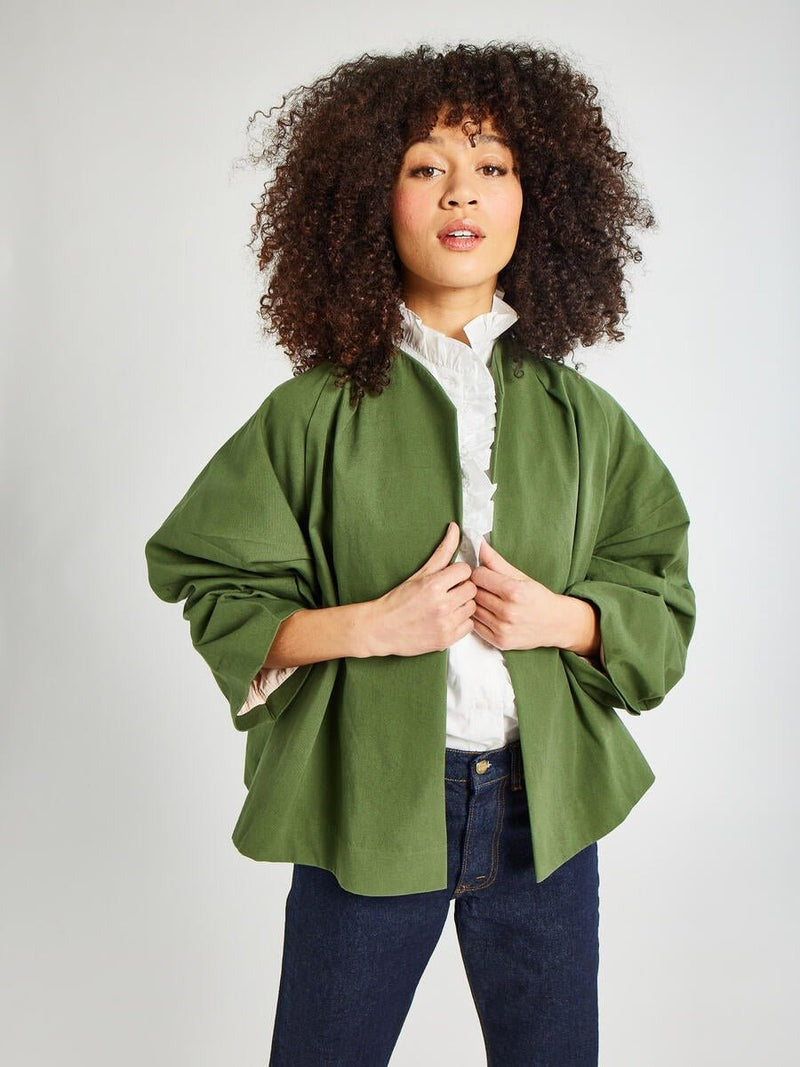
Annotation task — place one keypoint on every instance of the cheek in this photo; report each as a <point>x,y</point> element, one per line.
<point>405,215</point>
<point>512,211</point>
<point>508,215</point>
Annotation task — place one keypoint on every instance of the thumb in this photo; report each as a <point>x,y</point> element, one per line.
<point>491,558</point>
<point>442,554</point>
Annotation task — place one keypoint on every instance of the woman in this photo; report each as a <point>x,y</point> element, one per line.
<point>430,717</point>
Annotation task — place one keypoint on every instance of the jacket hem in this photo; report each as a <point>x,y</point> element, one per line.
<point>602,830</point>
<point>363,871</point>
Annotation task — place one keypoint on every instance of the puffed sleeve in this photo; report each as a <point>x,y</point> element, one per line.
<point>638,578</point>
<point>234,550</point>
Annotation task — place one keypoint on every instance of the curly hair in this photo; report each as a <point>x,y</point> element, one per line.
<point>323,222</point>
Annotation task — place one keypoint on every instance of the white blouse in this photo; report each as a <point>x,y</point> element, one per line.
<point>481,709</point>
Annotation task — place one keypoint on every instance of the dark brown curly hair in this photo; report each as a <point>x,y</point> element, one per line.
<point>323,222</point>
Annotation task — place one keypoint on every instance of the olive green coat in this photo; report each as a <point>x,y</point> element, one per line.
<point>312,503</point>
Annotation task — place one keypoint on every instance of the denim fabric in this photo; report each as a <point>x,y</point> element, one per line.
<point>352,963</point>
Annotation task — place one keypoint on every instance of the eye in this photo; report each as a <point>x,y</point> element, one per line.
<point>497,170</point>
<point>423,172</point>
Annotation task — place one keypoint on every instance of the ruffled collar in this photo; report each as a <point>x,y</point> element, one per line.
<point>447,352</point>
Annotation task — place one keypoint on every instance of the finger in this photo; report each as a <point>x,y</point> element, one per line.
<point>443,552</point>
<point>453,575</point>
<point>463,593</point>
<point>491,558</point>
<point>489,620</point>
<point>489,602</point>
<point>482,630</point>
<point>464,611</point>
<point>494,581</point>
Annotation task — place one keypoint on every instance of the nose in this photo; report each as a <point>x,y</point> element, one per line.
<point>459,190</point>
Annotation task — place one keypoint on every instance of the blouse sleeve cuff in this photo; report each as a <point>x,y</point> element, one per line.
<point>265,682</point>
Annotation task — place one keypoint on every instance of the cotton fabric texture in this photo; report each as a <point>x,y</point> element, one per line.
<point>307,505</point>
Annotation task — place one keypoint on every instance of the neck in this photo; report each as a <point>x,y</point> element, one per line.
<point>449,310</point>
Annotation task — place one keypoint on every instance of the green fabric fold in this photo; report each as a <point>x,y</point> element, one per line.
<point>234,551</point>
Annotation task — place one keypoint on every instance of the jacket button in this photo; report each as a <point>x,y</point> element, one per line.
<point>482,766</point>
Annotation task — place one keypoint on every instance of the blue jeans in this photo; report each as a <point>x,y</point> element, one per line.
<point>351,963</point>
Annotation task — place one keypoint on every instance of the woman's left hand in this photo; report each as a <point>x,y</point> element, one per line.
<point>513,610</point>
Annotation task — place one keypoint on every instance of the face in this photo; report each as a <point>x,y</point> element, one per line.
<point>456,210</point>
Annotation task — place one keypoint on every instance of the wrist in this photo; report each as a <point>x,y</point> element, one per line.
<point>580,626</point>
<point>369,639</point>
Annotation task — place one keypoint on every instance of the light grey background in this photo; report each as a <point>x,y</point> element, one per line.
<point>132,930</point>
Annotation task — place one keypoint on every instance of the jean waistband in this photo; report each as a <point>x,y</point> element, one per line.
<point>483,767</point>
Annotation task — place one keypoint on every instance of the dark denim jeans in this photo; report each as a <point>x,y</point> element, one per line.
<point>351,963</point>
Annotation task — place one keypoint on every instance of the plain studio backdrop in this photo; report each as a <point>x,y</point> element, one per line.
<point>133,932</point>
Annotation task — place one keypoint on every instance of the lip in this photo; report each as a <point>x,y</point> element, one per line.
<point>460,224</point>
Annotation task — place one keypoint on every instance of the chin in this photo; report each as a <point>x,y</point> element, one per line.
<point>464,279</point>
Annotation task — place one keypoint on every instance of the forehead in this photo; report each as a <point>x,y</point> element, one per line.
<point>464,135</point>
<point>454,136</point>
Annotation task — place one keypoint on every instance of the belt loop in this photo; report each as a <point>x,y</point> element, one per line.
<point>516,765</point>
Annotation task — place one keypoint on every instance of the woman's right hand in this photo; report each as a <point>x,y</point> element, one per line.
<point>429,611</point>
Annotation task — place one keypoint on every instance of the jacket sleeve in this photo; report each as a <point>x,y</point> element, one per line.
<point>234,550</point>
<point>638,578</point>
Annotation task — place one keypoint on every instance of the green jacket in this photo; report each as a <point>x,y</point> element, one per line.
<point>312,503</point>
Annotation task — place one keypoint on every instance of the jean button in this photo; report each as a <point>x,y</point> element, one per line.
<point>482,766</point>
